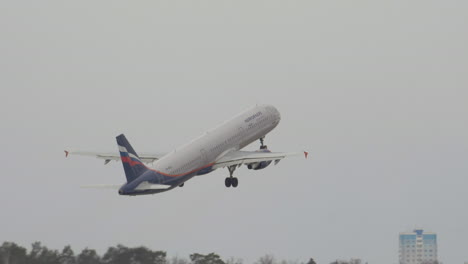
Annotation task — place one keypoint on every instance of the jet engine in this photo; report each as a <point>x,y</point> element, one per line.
<point>262,164</point>
<point>258,165</point>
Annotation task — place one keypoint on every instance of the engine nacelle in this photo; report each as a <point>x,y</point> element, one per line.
<point>262,164</point>
<point>258,165</point>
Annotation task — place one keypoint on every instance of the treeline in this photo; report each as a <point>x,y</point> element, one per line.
<point>11,253</point>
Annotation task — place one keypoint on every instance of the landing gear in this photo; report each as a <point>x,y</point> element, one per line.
<point>234,182</point>
<point>261,143</point>
<point>231,181</point>
<point>181,185</point>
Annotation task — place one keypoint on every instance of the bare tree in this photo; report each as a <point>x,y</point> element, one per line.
<point>178,260</point>
<point>67,256</point>
<point>211,258</point>
<point>233,260</point>
<point>88,256</point>
<point>267,259</point>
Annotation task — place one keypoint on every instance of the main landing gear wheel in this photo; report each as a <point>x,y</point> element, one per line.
<point>231,181</point>
<point>234,182</point>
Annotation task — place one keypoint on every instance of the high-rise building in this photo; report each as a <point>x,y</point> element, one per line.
<point>418,247</point>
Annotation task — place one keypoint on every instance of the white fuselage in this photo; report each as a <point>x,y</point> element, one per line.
<point>232,135</point>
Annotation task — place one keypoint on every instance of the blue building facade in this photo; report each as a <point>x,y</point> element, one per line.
<point>418,247</point>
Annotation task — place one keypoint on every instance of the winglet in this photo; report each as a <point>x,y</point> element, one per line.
<point>306,154</point>
<point>66,153</point>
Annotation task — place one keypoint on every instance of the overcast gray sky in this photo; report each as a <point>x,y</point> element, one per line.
<point>377,91</point>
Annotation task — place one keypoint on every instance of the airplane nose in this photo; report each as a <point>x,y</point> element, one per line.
<point>277,115</point>
<point>274,112</point>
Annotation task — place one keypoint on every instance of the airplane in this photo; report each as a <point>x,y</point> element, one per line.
<point>217,148</point>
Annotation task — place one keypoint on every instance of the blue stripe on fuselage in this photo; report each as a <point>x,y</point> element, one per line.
<point>154,177</point>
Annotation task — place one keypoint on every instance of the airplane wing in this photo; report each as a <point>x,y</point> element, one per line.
<point>246,157</point>
<point>108,156</point>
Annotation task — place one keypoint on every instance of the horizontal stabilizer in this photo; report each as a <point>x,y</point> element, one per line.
<point>151,186</point>
<point>102,186</point>
<point>108,156</point>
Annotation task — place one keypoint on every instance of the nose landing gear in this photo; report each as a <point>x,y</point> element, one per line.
<point>261,143</point>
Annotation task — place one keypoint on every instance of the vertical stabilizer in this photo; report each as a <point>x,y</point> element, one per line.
<point>131,162</point>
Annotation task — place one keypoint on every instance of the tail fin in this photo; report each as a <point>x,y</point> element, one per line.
<point>131,162</point>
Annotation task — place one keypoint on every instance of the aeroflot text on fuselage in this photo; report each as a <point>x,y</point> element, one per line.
<point>253,117</point>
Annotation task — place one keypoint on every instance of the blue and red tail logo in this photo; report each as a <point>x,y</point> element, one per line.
<point>132,164</point>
